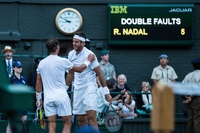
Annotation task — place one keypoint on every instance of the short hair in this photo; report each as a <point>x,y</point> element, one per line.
<point>122,75</point>
<point>52,44</point>
<point>110,83</point>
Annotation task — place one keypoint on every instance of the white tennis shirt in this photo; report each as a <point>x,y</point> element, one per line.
<point>88,76</point>
<point>52,70</point>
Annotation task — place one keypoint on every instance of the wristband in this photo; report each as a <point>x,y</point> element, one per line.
<point>106,90</point>
<point>39,95</point>
<point>86,63</point>
<point>38,98</point>
<point>66,87</point>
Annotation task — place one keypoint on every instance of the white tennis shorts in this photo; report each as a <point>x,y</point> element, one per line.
<point>85,99</point>
<point>60,107</point>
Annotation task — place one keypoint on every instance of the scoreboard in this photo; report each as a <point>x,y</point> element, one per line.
<point>150,24</point>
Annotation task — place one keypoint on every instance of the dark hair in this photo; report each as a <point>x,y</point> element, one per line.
<point>196,66</point>
<point>81,34</point>
<point>52,44</point>
<point>110,83</point>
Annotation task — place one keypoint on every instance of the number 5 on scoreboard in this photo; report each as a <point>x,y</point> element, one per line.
<point>182,31</point>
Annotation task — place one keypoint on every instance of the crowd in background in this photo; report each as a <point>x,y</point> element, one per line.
<point>127,105</point>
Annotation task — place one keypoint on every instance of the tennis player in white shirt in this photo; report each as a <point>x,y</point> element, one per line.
<point>51,77</point>
<point>85,86</point>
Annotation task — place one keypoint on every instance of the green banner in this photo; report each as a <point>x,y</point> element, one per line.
<point>157,24</point>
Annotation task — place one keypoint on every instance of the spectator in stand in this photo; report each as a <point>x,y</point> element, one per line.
<point>106,67</point>
<point>127,106</point>
<point>8,53</point>
<point>164,72</point>
<point>144,101</point>
<point>7,62</point>
<point>121,87</point>
<point>111,84</point>
<point>17,78</point>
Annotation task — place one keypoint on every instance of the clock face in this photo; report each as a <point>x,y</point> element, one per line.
<point>68,21</point>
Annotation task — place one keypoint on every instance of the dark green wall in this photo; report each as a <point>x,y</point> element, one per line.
<point>33,21</point>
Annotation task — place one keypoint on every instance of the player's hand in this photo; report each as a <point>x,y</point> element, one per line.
<point>39,104</point>
<point>108,98</point>
<point>91,57</point>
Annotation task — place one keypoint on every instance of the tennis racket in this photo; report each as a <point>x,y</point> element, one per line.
<point>42,120</point>
<point>39,114</point>
<point>113,121</point>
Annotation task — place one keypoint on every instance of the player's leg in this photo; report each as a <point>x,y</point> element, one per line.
<point>51,114</point>
<point>91,117</point>
<point>82,120</point>
<point>64,111</point>
<point>91,106</point>
<point>52,123</point>
<point>79,106</point>
<point>66,124</point>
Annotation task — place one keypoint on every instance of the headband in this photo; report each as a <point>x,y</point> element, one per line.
<point>79,38</point>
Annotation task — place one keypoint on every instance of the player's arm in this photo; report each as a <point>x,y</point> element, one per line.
<point>39,90</point>
<point>100,76</point>
<point>91,58</point>
<point>103,83</point>
<point>70,77</point>
<point>38,83</point>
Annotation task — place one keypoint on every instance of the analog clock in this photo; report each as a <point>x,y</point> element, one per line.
<point>68,21</point>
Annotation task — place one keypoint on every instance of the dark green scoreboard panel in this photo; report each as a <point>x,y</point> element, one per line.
<point>138,24</point>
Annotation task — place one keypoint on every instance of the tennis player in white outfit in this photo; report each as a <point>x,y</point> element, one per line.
<point>51,76</point>
<point>85,86</point>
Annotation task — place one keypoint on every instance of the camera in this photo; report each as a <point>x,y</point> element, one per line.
<point>123,99</point>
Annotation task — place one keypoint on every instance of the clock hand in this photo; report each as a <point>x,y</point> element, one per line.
<point>63,18</point>
<point>68,21</point>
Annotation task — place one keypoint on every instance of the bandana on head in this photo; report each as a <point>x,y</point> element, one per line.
<point>79,38</point>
